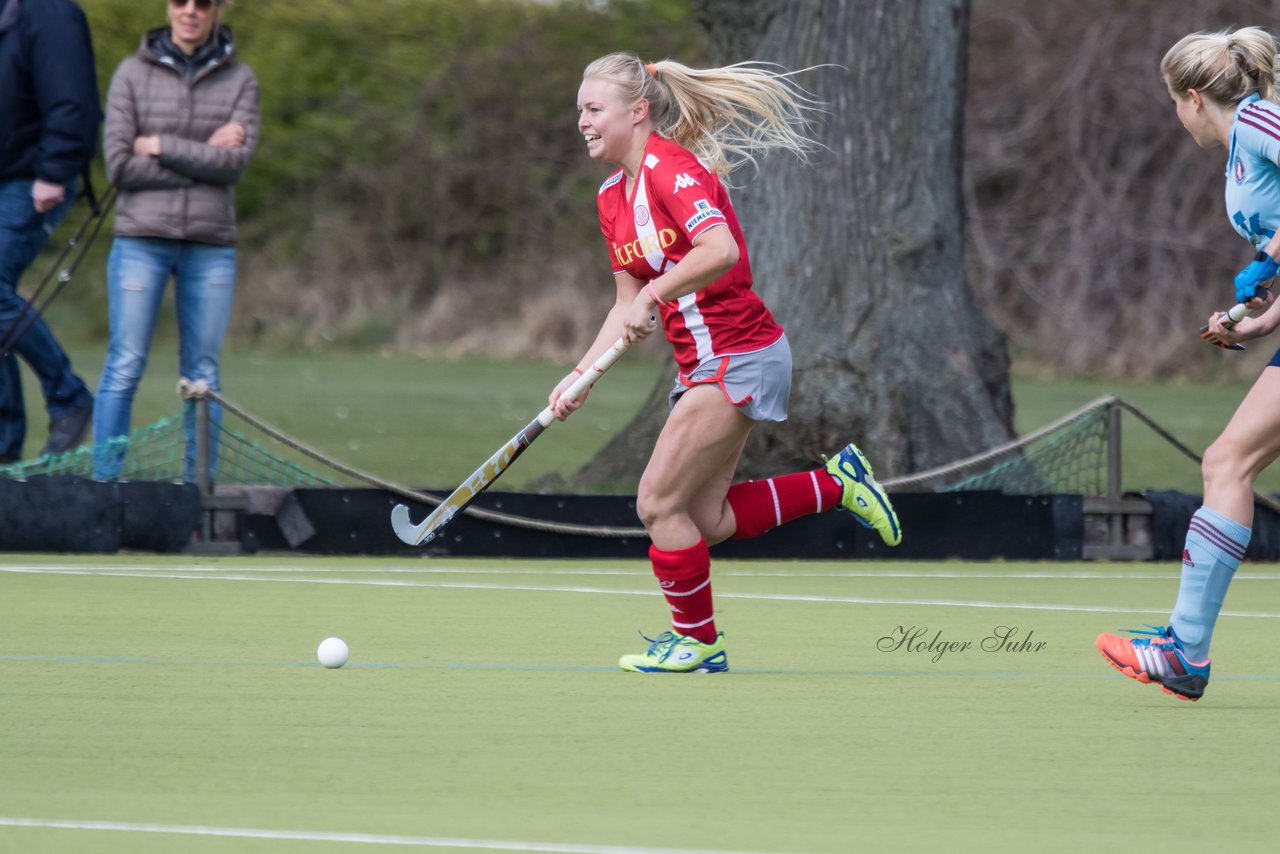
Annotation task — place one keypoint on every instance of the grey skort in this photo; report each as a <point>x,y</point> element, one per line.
<point>758,383</point>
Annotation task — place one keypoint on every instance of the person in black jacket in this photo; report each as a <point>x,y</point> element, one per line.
<point>49,117</point>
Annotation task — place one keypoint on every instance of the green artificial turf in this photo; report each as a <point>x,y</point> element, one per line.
<point>481,703</point>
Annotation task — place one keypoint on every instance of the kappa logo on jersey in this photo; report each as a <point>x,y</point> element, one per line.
<point>684,180</point>
<point>642,215</point>
<point>1239,170</point>
<point>641,246</point>
<point>704,212</point>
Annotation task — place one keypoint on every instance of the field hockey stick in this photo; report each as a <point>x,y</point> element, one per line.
<point>23,322</point>
<point>483,477</point>
<point>1235,314</point>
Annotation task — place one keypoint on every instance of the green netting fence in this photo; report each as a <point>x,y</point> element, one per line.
<point>1070,456</point>
<point>1077,454</point>
<point>158,452</point>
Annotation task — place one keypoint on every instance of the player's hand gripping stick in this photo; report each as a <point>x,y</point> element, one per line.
<point>1234,315</point>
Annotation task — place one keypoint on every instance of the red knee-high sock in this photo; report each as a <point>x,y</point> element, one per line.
<point>685,578</point>
<point>762,505</point>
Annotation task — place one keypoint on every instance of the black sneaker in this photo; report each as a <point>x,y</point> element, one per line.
<point>69,431</point>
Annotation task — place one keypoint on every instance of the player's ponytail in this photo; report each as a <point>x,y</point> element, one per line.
<point>1226,66</point>
<point>725,116</point>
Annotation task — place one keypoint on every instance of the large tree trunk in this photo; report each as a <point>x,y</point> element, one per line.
<point>860,254</point>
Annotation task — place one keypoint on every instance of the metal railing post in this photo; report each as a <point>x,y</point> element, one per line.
<point>211,504</point>
<point>1115,474</point>
<point>204,482</point>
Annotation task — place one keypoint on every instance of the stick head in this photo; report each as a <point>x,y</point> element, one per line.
<point>401,524</point>
<point>426,531</point>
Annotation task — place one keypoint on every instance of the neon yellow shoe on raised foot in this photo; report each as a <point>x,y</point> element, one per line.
<point>863,497</point>
<point>673,653</point>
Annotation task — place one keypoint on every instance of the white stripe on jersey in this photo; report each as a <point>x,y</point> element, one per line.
<point>687,304</point>
<point>696,325</point>
<point>647,234</point>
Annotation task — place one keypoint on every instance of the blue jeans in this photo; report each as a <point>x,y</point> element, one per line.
<point>138,269</point>
<point>23,233</point>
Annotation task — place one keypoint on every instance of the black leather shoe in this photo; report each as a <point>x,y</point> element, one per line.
<point>69,431</point>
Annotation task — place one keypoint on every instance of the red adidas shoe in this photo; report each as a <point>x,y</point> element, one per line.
<point>1157,658</point>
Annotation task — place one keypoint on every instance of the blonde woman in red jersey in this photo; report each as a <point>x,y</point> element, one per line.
<point>677,252</point>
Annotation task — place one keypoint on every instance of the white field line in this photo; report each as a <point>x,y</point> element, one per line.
<point>357,838</point>
<point>1155,575</point>
<point>605,591</point>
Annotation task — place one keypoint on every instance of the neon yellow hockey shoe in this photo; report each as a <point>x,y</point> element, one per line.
<point>863,497</point>
<point>673,653</point>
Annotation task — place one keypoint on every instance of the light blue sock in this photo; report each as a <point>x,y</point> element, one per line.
<point>1215,545</point>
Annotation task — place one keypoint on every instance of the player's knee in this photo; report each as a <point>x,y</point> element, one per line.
<point>1222,462</point>
<point>645,509</point>
<point>652,507</point>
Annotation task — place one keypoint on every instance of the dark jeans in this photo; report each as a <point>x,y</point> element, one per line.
<point>23,233</point>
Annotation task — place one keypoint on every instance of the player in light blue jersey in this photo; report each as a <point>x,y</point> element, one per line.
<point>1224,87</point>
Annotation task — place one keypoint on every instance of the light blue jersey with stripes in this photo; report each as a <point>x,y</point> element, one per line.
<point>1253,173</point>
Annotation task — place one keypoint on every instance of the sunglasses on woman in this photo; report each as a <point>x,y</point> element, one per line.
<point>202,5</point>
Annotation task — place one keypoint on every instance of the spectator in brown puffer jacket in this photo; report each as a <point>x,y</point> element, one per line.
<point>182,125</point>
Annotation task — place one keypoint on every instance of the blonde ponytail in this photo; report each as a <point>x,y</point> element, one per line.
<point>723,115</point>
<point>1225,66</point>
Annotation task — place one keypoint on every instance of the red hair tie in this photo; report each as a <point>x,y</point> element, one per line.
<point>653,68</point>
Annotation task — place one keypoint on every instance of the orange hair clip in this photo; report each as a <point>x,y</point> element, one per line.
<point>653,68</point>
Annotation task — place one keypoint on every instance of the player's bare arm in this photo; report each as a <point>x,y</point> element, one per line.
<point>713,254</point>
<point>627,287</point>
<point>1248,328</point>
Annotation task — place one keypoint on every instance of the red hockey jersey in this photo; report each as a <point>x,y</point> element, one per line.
<point>673,200</point>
